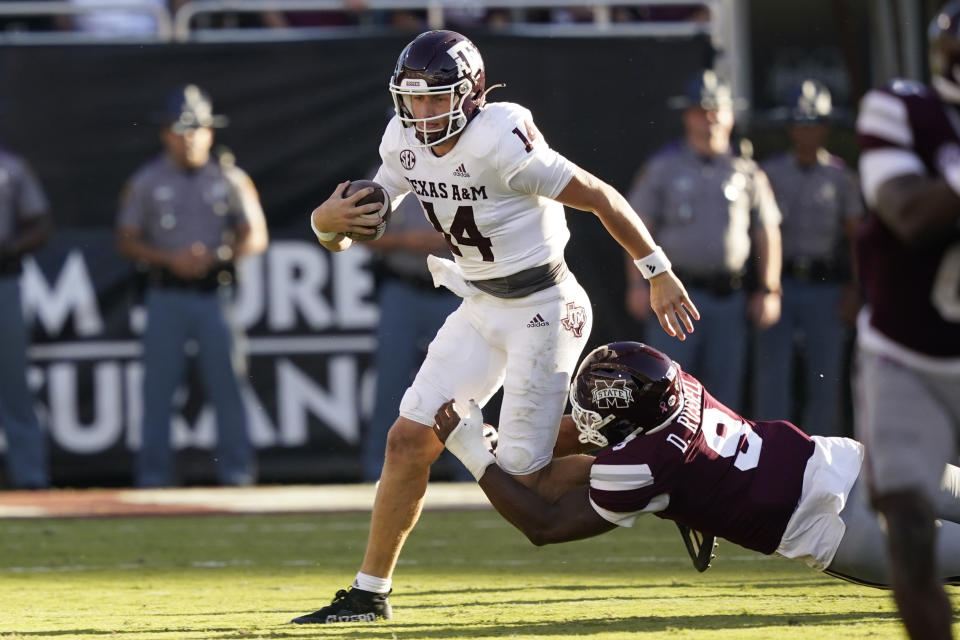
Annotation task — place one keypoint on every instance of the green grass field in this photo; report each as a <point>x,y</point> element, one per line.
<point>463,575</point>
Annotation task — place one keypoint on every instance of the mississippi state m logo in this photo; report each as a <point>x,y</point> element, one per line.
<point>575,319</point>
<point>612,394</point>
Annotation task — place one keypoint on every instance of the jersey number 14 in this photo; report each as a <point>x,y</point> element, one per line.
<point>463,231</point>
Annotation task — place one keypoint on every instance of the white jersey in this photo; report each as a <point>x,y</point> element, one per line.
<point>492,195</point>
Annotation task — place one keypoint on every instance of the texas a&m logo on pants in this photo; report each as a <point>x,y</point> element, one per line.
<point>575,319</point>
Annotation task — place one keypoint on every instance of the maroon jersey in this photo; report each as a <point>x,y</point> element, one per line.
<point>913,293</point>
<point>709,469</point>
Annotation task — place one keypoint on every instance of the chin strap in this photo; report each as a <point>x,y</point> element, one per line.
<point>483,96</point>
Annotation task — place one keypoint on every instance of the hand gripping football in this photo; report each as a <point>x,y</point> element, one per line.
<point>379,195</point>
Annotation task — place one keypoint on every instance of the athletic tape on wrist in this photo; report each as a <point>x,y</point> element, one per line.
<point>325,236</point>
<point>470,449</point>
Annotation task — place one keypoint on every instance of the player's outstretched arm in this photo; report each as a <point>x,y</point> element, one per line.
<point>668,297</point>
<point>570,518</point>
<point>338,215</point>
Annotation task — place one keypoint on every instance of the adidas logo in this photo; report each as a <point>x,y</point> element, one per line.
<point>356,617</point>
<point>537,321</point>
<point>461,172</point>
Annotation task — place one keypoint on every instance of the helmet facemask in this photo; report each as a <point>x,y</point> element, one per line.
<point>589,423</point>
<point>623,390</point>
<point>454,119</point>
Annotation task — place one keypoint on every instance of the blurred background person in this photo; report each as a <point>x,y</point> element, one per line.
<point>188,217</point>
<point>25,225</point>
<point>908,334</point>
<point>820,204</point>
<point>710,209</point>
<point>108,18</point>
<point>412,311</point>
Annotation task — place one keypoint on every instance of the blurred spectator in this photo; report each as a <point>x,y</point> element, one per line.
<point>820,203</point>
<point>412,311</point>
<point>111,20</point>
<point>674,13</point>
<point>408,20</point>
<point>25,225</point>
<point>188,218</point>
<point>709,209</point>
<point>284,19</point>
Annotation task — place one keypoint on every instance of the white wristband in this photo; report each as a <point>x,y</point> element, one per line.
<point>654,264</point>
<point>467,443</point>
<point>325,236</point>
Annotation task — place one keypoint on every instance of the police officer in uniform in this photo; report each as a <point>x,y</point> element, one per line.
<point>188,217</point>
<point>25,225</point>
<point>821,207</point>
<point>710,210</point>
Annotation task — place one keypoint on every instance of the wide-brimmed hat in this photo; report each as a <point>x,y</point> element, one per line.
<point>809,102</point>
<point>189,107</point>
<point>706,90</point>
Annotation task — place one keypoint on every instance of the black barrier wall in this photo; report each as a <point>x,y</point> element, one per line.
<point>303,117</point>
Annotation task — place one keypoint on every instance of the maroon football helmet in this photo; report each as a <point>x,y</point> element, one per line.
<point>624,389</point>
<point>439,62</point>
<point>944,39</point>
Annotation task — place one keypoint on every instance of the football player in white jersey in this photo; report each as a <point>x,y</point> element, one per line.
<point>491,185</point>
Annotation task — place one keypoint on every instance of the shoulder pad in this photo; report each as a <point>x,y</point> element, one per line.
<point>495,120</point>
<point>393,136</point>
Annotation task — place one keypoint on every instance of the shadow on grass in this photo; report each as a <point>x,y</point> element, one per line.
<point>584,627</point>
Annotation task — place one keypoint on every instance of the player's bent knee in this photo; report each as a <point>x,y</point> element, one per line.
<point>412,442</point>
<point>516,461</point>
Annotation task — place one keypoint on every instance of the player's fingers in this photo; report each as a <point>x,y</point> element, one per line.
<point>338,191</point>
<point>363,193</point>
<point>664,320</point>
<point>445,408</point>
<point>686,319</point>
<point>688,303</point>
<point>367,209</point>
<point>673,325</point>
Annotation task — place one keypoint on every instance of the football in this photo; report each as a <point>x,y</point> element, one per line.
<point>379,196</point>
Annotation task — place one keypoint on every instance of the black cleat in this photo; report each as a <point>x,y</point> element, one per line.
<point>355,605</point>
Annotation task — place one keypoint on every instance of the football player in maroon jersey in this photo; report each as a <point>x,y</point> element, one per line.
<point>670,448</point>
<point>908,344</point>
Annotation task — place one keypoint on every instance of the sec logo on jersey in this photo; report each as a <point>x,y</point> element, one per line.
<point>407,159</point>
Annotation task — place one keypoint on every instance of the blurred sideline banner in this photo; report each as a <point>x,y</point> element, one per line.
<point>303,116</point>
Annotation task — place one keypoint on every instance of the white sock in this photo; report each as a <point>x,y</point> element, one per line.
<point>372,583</point>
